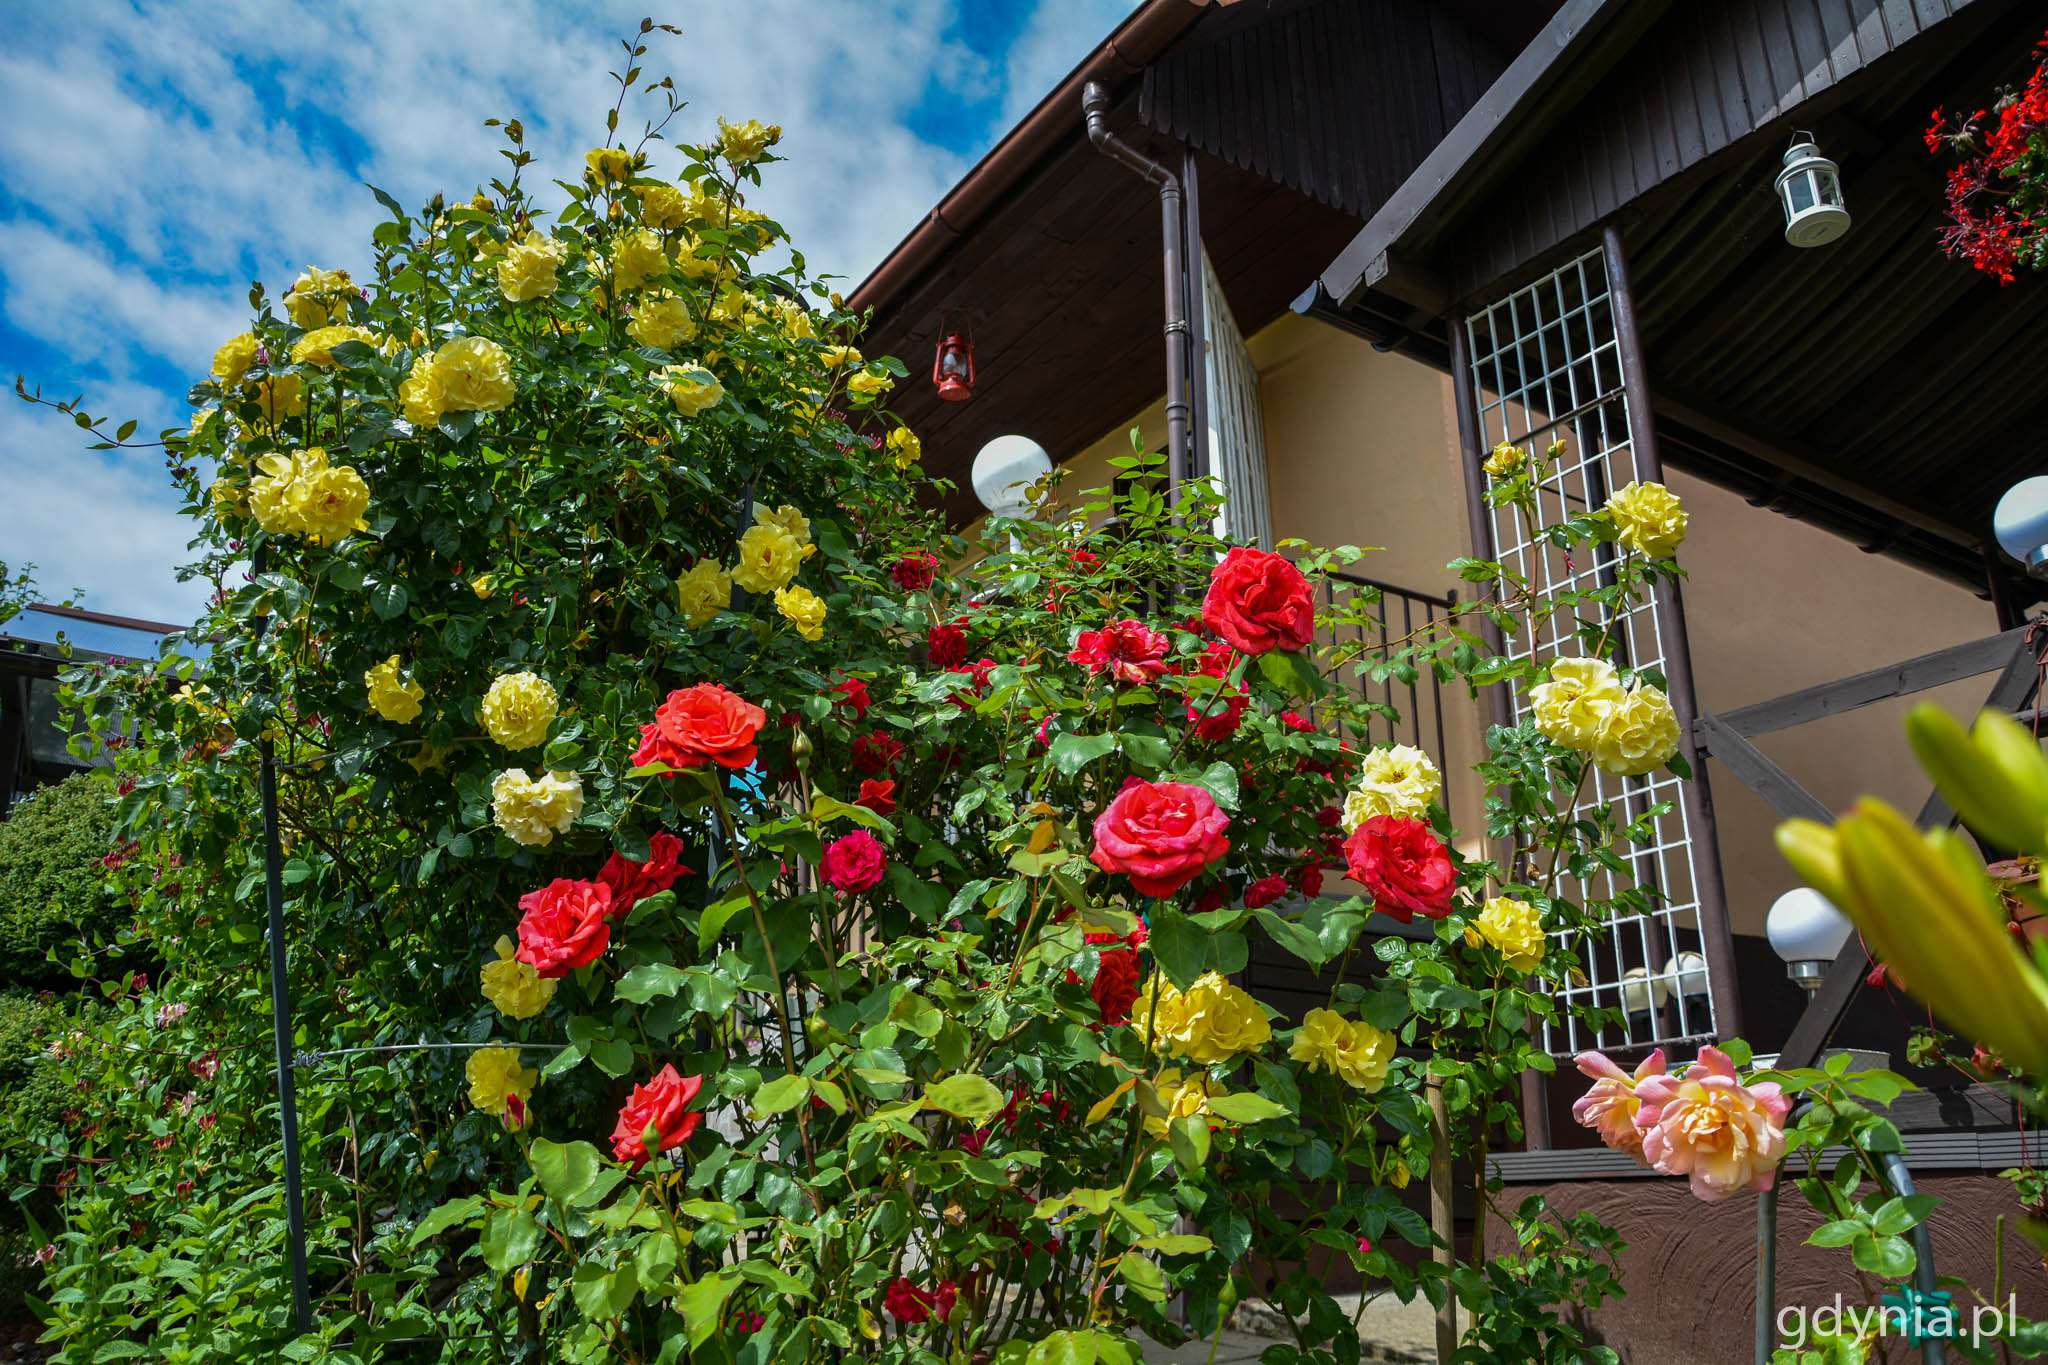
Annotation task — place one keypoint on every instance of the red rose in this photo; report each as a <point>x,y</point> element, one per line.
<point>1265,891</point>
<point>851,695</point>
<point>1312,880</point>
<point>876,752</point>
<point>629,881</point>
<point>945,646</point>
<point>914,573</point>
<point>662,1104</point>
<point>853,863</point>
<point>1218,717</point>
<point>1258,601</point>
<point>1329,816</point>
<point>976,673</point>
<point>1404,866</point>
<point>700,725</point>
<point>1129,651</point>
<point>1086,561</point>
<point>1115,987</point>
<point>1294,720</point>
<point>567,925</point>
<point>905,1302</point>
<point>879,797</point>
<point>1161,834</point>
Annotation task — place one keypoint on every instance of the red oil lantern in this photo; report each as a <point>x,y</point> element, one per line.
<point>953,362</point>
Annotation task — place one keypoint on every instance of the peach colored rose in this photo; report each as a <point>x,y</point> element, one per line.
<point>1609,1106</point>
<point>1708,1125</point>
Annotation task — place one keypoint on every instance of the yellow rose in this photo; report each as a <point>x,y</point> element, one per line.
<point>1399,781</point>
<point>475,375</point>
<point>769,557</point>
<point>869,384</point>
<point>804,609</point>
<point>1649,519</point>
<point>692,388</point>
<point>234,358</point>
<point>430,756</point>
<point>1514,928</point>
<point>1573,706</point>
<point>395,699</point>
<point>1182,1096</point>
<point>609,163</point>
<point>1639,735</point>
<point>795,320</point>
<point>637,257</point>
<point>1352,1050</point>
<point>325,502</point>
<point>905,447</point>
<point>745,141</point>
<point>227,497</point>
<point>533,810</point>
<point>836,356</point>
<point>317,346</point>
<point>320,298</point>
<point>1506,459</point>
<point>702,591</point>
<point>481,586</point>
<point>421,393</point>
<point>788,518</point>
<point>281,395</point>
<point>518,709</point>
<point>663,207</point>
<point>201,421</point>
<point>731,305</point>
<point>495,1076</point>
<point>662,321</point>
<point>515,987</point>
<point>528,270</point>
<point>690,262</point>
<point>1212,1021</point>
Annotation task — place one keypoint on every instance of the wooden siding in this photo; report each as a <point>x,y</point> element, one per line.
<point>1705,77</point>
<point>1339,99</point>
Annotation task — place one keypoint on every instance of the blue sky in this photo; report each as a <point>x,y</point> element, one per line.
<point>154,158</point>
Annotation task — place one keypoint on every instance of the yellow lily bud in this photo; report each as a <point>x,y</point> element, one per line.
<point>1926,906</point>
<point>1995,775</point>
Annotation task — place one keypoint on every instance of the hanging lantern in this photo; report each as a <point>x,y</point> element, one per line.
<point>1810,191</point>
<point>953,362</point>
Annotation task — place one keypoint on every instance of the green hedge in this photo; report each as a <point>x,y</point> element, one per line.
<point>32,1102</point>
<point>50,879</point>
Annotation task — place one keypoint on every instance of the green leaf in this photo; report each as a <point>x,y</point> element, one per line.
<point>1890,1257</point>
<point>388,600</point>
<point>655,1260</point>
<point>826,809</point>
<point>447,1216</point>
<point>510,1238</point>
<point>565,1170</point>
<point>1176,1244</point>
<point>1245,1108</point>
<point>1180,948</point>
<point>964,1096</point>
<point>1188,1135</point>
<point>1839,1233</point>
<point>702,1301</point>
<point>1148,752</point>
<point>602,1293</point>
<point>614,1056</point>
<point>1899,1214</point>
<point>782,1094</point>
<point>1071,753</point>
<point>1219,779</point>
<point>716,915</point>
<point>648,980</point>
<point>1142,1275</point>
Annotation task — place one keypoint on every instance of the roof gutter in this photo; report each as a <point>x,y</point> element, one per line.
<point>1502,113</point>
<point>1136,41</point>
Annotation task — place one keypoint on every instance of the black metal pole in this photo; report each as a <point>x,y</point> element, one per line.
<point>281,1011</point>
<point>1717,942</point>
<point>1201,459</point>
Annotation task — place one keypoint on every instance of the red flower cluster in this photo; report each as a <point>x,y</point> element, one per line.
<point>701,725</point>
<point>1259,601</point>
<point>630,881</point>
<point>851,695</point>
<point>1129,651</point>
<point>1265,891</point>
<point>1403,865</point>
<point>854,863</point>
<point>2006,166</point>
<point>1115,987</point>
<point>977,674</point>
<point>945,645</point>
<point>663,1104</point>
<point>914,573</point>
<point>876,752</point>
<point>1161,834</point>
<point>905,1302</point>
<point>567,925</point>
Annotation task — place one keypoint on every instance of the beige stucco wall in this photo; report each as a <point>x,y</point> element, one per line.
<point>1362,449</point>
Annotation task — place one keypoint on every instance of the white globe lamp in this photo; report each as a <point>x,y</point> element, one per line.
<point>2020,523</point>
<point>1004,471</point>
<point>1808,932</point>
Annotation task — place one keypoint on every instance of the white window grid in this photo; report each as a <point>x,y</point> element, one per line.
<point>1546,362</point>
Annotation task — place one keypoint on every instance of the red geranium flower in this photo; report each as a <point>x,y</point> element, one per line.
<point>1161,834</point>
<point>1259,601</point>
<point>1404,865</point>
<point>662,1104</point>
<point>1129,651</point>
<point>701,725</point>
<point>629,881</point>
<point>567,925</point>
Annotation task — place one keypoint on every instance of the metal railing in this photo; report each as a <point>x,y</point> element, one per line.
<point>1409,710</point>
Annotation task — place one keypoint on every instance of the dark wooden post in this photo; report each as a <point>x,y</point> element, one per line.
<point>1201,459</point>
<point>1717,943</point>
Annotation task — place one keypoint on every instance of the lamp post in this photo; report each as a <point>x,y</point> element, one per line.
<point>1004,471</point>
<point>1808,932</point>
<point>2020,524</point>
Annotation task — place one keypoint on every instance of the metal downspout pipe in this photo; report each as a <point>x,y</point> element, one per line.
<point>1095,106</point>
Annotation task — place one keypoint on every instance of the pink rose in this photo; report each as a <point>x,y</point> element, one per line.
<point>853,863</point>
<point>1609,1105</point>
<point>1161,834</point>
<point>1708,1125</point>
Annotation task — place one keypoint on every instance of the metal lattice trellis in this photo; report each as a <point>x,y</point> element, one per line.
<point>1549,362</point>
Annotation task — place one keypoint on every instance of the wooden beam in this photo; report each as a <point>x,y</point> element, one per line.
<point>1711,735</point>
<point>1874,685</point>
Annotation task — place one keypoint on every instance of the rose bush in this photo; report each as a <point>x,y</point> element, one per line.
<point>730,991</point>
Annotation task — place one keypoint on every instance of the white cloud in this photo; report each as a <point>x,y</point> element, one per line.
<point>158,157</point>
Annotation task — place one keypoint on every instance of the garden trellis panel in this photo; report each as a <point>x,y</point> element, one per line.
<point>1556,361</point>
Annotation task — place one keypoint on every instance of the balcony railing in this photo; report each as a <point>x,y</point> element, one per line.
<point>1409,704</point>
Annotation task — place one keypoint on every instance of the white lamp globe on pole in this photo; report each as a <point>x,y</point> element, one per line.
<point>2020,523</point>
<point>1808,932</point>
<point>1004,471</point>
